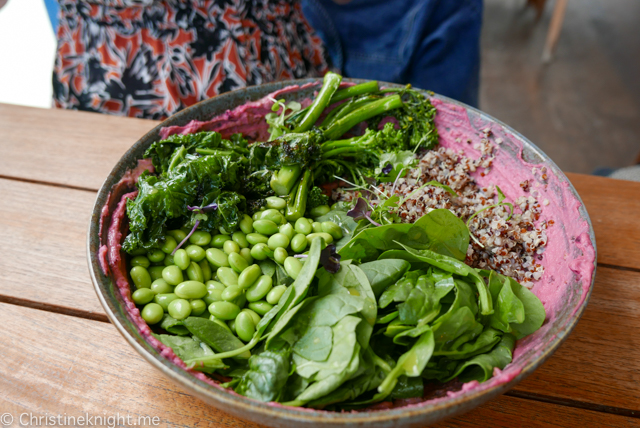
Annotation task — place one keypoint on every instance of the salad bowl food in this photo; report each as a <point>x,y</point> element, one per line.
<point>406,226</point>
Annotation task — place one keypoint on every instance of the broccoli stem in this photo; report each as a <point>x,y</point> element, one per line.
<point>363,113</point>
<point>344,109</point>
<point>330,145</point>
<point>283,181</point>
<point>213,152</point>
<point>329,86</point>
<point>352,91</point>
<point>178,156</point>
<point>343,151</point>
<point>297,204</point>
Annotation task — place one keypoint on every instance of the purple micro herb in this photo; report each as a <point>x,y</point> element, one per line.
<point>195,226</point>
<point>330,259</point>
<point>360,211</point>
<point>387,169</point>
<point>210,207</point>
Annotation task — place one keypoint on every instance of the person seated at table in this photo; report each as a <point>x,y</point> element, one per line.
<point>432,44</point>
<point>150,59</point>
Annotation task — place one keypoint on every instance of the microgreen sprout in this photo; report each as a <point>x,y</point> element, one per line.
<point>200,213</point>
<point>501,198</point>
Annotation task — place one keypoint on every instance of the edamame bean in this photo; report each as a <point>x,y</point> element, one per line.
<point>141,261</point>
<point>246,224</point>
<point>156,255</point>
<point>181,259</point>
<point>191,290</point>
<point>160,286</point>
<point>265,227</point>
<point>200,237</point>
<point>179,309</point>
<point>195,252</point>
<point>273,215</point>
<point>168,260</point>
<point>240,301</point>
<point>256,215</point>
<point>240,239</point>
<point>152,313</point>
<point>255,317</point>
<point>249,276</point>
<point>292,266</point>
<point>276,203</point>
<point>278,240</point>
<point>245,328</point>
<point>164,299</point>
<point>287,230</point>
<point>227,276</point>
<point>142,296</point>
<point>261,251</point>
<point>280,255</point>
<point>217,257</point>
<point>232,325</point>
<point>173,275</point>
<point>256,238</point>
<point>246,253</point>
<point>319,211</point>
<point>303,226</point>
<point>213,295</point>
<point>155,272</point>
<point>231,247</point>
<point>219,322</point>
<point>169,244</point>
<point>332,229</point>
<point>198,307</point>
<point>211,285</point>
<point>206,270</point>
<point>194,272</point>
<point>273,297</point>
<point>259,289</point>
<point>219,240</point>
<point>177,234</point>
<point>138,252</point>
<point>261,307</point>
<point>328,239</point>
<point>317,227</point>
<point>231,293</point>
<point>299,243</point>
<point>237,262</point>
<point>140,276</point>
<point>224,310</point>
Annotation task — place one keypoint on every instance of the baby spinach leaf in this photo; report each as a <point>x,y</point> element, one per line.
<point>448,264</point>
<point>447,233</point>
<point>383,273</point>
<point>411,364</point>
<point>533,309</point>
<point>481,367</point>
<point>315,344</point>
<point>508,309</point>
<point>407,387</point>
<point>173,326</point>
<point>483,343</point>
<point>423,303</point>
<point>188,348</point>
<point>346,223</point>
<point>214,335</point>
<point>267,375</point>
<point>400,291</point>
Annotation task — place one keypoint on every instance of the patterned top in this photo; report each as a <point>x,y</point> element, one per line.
<point>150,59</point>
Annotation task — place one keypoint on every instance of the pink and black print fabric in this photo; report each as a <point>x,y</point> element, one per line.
<point>150,59</point>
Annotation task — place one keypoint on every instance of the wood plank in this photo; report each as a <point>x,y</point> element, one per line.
<point>613,206</point>
<point>66,147</point>
<point>104,375</point>
<point>43,231</point>
<point>598,363</point>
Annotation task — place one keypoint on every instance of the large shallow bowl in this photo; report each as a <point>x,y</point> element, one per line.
<point>575,294</point>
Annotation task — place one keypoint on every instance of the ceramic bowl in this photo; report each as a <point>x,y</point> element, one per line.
<point>575,293</point>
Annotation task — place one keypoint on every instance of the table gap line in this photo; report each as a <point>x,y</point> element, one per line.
<point>93,316</point>
<point>567,402</point>
<point>48,183</point>
<point>624,268</point>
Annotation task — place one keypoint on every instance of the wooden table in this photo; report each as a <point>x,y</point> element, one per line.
<point>60,355</point>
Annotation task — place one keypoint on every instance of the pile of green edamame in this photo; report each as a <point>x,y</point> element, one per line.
<point>216,276</point>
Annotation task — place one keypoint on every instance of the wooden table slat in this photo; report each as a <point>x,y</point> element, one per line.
<point>104,376</point>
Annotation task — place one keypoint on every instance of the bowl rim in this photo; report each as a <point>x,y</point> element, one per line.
<point>239,405</point>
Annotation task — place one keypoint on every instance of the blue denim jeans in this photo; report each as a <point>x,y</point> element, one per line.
<point>432,44</point>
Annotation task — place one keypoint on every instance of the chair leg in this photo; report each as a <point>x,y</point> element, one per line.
<point>554,30</point>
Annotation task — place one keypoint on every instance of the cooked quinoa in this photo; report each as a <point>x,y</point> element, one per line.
<point>512,247</point>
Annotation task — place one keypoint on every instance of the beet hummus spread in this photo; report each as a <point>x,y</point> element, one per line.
<point>568,257</point>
